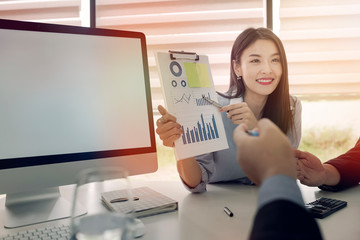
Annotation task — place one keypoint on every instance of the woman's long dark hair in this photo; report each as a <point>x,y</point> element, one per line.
<point>277,107</point>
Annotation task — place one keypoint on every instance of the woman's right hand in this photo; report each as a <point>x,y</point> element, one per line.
<point>167,127</point>
<point>240,113</point>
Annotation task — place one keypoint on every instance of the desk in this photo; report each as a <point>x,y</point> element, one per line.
<point>201,216</point>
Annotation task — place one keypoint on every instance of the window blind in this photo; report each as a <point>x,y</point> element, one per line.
<point>322,42</point>
<point>321,38</point>
<point>204,26</point>
<point>65,12</point>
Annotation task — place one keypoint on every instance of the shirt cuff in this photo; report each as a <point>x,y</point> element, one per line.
<point>201,187</point>
<point>280,187</point>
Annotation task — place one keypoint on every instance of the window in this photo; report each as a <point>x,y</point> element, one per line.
<point>49,11</point>
<point>202,26</point>
<point>322,39</point>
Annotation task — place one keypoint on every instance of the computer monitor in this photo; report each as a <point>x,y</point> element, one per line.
<point>70,98</point>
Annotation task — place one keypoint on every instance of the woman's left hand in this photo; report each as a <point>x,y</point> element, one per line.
<point>240,113</point>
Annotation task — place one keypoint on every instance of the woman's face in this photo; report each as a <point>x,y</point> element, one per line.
<point>260,68</point>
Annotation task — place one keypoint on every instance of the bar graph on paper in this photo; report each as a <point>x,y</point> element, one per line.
<point>201,101</point>
<point>201,132</point>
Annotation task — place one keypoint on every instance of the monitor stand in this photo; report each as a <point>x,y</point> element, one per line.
<point>22,209</point>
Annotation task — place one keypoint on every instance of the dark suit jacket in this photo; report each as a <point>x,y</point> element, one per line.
<point>283,219</point>
<point>348,165</point>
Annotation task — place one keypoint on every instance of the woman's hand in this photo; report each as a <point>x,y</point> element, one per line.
<point>169,130</point>
<point>240,113</point>
<point>167,127</point>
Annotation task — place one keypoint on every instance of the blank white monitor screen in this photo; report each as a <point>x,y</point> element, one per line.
<point>67,99</point>
<point>71,98</point>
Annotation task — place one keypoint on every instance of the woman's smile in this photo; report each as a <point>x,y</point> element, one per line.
<point>265,81</point>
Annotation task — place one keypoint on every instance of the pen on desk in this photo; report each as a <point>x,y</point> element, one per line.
<point>228,212</point>
<point>122,199</point>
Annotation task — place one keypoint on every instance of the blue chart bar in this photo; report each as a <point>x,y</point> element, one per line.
<point>201,132</point>
<point>201,101</point>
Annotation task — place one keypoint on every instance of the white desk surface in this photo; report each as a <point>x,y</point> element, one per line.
<point>201,216</point>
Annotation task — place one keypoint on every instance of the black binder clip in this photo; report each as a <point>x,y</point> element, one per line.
<point>183,55</point>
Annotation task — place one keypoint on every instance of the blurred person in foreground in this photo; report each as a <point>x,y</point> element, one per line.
<point>268,160</point>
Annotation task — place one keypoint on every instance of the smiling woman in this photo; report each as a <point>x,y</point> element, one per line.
<point>258,88</point>
<point>259,75</point>
<point>261,72</point>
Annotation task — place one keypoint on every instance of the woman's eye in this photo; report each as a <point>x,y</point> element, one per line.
<point>255,61</point>
<point>276,60</point>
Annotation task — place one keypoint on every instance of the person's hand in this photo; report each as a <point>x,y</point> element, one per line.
<point>167,127</point>
<point>265,155</point>
<point>310,170</point>
<point>240,113</point>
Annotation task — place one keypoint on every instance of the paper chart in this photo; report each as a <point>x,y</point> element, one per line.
<point>185,79</point>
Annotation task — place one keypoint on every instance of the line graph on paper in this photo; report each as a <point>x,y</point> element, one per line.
<point>184,98</point>
<point>195,98</point>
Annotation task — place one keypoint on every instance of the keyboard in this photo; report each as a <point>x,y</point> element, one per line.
<point>323,207</point>
<point>60,232</point>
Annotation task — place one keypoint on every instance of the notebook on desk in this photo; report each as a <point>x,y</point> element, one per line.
<point>149,202</point>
